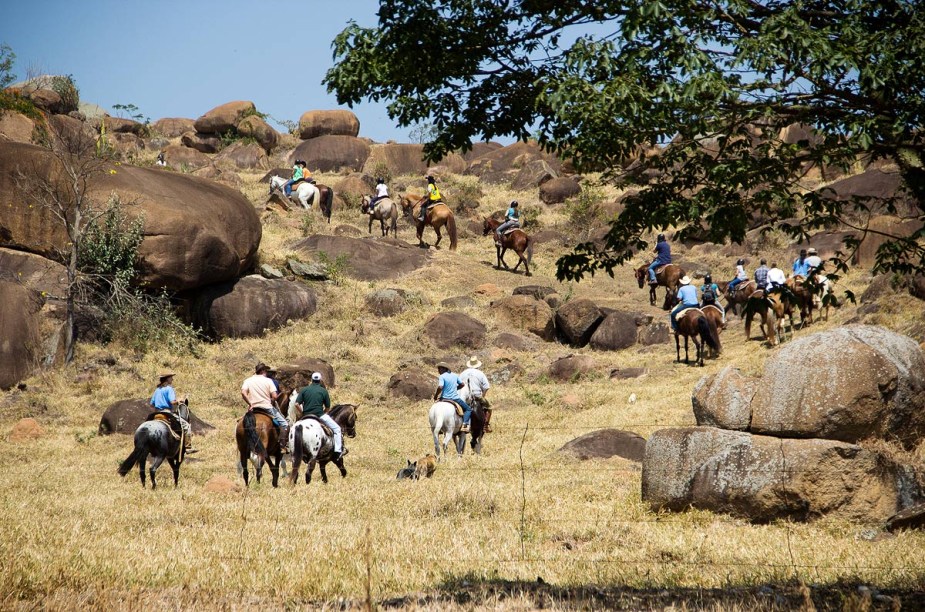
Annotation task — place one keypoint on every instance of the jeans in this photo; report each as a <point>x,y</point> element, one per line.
<point>288,188</point>
<point>733,284</point>
<point>276,415</point>
<point>467,411</point>
<point>652,266</point>
<point>335,429</point>
<point>506,225</point>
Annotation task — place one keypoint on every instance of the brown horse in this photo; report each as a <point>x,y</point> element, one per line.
<point>518,240</point>
<point>802,297</point>
<point>258,439</point>
<point>694,324</point>
<point>715,314</point>
<point>668,276</point>
<point>772,309</point>
<point>736,301</point>
<point>438,215</point>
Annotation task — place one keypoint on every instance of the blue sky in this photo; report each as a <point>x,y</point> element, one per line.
<point>175,58</point>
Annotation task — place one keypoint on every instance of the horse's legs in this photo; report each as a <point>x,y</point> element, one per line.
<point>439,237</point>
<point>498,256</point>
<point>370,228</point>
<point>460,444</point>
<point>309,469</point>
<point>340,466</point>
<point>437,442</point>
<point>154,465</point>
<point>687,358</point>
<point>274,469</point>
<point>258,467</point>
<point>677,346</point>
<point>699,346</point>
<point>652,295</point>
<point>501,257</point>
<point>142,465</point>
<point>175,466</point>
<point>245,458</point>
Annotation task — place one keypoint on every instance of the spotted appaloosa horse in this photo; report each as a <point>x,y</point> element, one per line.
<point>309,441</point>
<point>159,440</point>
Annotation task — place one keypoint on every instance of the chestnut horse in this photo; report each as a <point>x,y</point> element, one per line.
<point>802,297</point>
<point>772,308</point>
<point>736,301</point>
<point>694,324</point>
<point>438,215</point>
<point>258,440</point>
<point>518,240</point>
<point>668,276</point>
<point>713,312</point>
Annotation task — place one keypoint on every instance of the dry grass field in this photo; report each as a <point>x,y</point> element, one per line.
<point>518,527</point>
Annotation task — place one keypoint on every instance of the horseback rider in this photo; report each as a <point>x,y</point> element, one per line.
<point>448,386</point>
<point>260,392</point>
<point>761,275</point>
<point>297,175</point>
<point>662,257</point>
<point>433,197</point>
<point>813,260</point>
<point>687,298</point>
<point>478,385</point>
<point>776,278</point>
<point>382,191</point>
<point>511,220</point>
<point>315,401</point>
<point>800,265</point>
<point>165,400</point>
<point>741,276</point>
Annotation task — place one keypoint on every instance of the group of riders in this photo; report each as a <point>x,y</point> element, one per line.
<point>262,390</point>
<point>767,279</point>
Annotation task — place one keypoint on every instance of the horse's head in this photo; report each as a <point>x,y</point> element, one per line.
<point>488,226</point>
<point>364,204</point>
<point>347,418</point>
<point>640,274</point>
<point>183,409</point>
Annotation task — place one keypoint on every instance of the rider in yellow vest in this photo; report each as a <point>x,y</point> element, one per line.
<point>433,197</point>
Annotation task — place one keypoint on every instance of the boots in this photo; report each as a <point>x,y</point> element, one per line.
<point>488,420</point>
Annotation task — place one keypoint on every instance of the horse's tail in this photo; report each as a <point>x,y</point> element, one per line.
<point>394,217</point>
<point>451,230</point>
<point>708,333</point>
<point>749,315</point>
<point>297,451</point>
<point>327,203</point>
<point>131,460</point>
<point>529,249</point>
<point>254,445</point>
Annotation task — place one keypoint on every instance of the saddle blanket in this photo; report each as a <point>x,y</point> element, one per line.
<point>661,268</point>
<point>171,420</point>
<point>510,230</point>
<point>324,428</point>
<point>682,313</point>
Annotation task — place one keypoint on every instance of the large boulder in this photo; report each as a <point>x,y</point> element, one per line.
<point>243,156</point>
<point>849,383</point>
<point>47,100</point>
<point>125,146</point>
<point>365,259</point>
<point>724,399</point>
<point>514,342</point>
<point>125,416</point>
<point>328,123</point>
<point>763,478</point>
<point>526,313</point>
<point>412,384</point>
<point>606,443</point>
<point>258,129</point>
<point>15,127</point>
<point>172,127</point>
<point>451,329</point>
<point>386,302</point>
<point>616,331</point>
<point>184,158</point>
<point>118,125</point>
<point>251,305</point>
<point>570,368</point>
<point>204,143</point>
<point>297,374</point>
<point>355,186</point>
<point>872,185</point>
<point>576,321</point>
<point>19,332</point>
<point>332,153</point>
<point>400,159</point>
<point>507,161</point>
<point>196,232</point>
<point>224,118</point>
<point>539,292</point>
<point>558,190</point>
<point>532,175</point>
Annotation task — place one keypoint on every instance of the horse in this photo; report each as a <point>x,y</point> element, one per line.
<point>695,324</point>
<point>668,276</point>
<point>306,193</point>
<point>258,441</point>
<point>518,240</point>
<point>307,439</point>
<point>385,209</point>
<point>802,296</point>
<point>444,420</point>
<point>713,312</point>
<point>737,300</point>
<point>438,215</point>
<point>772,308</point>
<point>157,439</point>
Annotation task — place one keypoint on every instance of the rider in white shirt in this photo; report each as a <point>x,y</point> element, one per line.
<point>776,277</point>
<point>382,191</point>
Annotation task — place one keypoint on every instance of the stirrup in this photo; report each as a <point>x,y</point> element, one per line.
<point>464,429</point>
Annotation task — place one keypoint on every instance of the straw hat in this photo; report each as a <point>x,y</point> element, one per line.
<point>445,366</point>
<point>474,362</point>
<point>165,375</point>
<point>812,251</point>
<point>685,280</point>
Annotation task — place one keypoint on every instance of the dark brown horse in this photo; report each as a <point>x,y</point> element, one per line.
<point>518,240</point>
<point>736,301</point>
<point>802,298</point>
<point>694,324</point>
<point>714,313</point>
<point>668,276</point>
<point>258,439</point>
<point>437,216</point>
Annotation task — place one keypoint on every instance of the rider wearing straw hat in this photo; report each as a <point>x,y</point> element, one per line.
<point>448,386</point>
<point>165,400</point>
<point>687,298</point>
<point>478,385</point>
<point>813,259</point>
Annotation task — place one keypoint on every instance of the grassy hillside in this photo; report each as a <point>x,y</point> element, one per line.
<point>76,535</point>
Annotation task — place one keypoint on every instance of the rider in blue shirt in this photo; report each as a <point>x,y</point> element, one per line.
<point>448,389</point>
<point>801,265</point>
<point>688,298</point>
<point>165,399</point>
<point>662,257</point>
<point>511,219</point>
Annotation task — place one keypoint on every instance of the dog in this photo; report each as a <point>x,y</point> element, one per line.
<point>423,467</point>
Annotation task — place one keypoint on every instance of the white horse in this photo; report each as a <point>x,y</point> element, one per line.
<point>385,209</point>
<point>305,193</point>
<point>444,420</point>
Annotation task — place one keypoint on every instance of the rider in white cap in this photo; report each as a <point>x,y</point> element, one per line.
<point>315,401</point>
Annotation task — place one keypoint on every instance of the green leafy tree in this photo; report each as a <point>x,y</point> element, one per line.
<point>602,82</point>
<point>7,59</point>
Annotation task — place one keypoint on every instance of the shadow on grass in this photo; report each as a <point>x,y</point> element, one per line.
<point>468,592</point>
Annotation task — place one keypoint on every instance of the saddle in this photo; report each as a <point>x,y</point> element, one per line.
<point>661,269</point>
<point>510,230</point>
<point>324,428</point>
<point>682,313</point>
<point>459,409</point>
<point>173,423</point>
<point>266,413</point>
